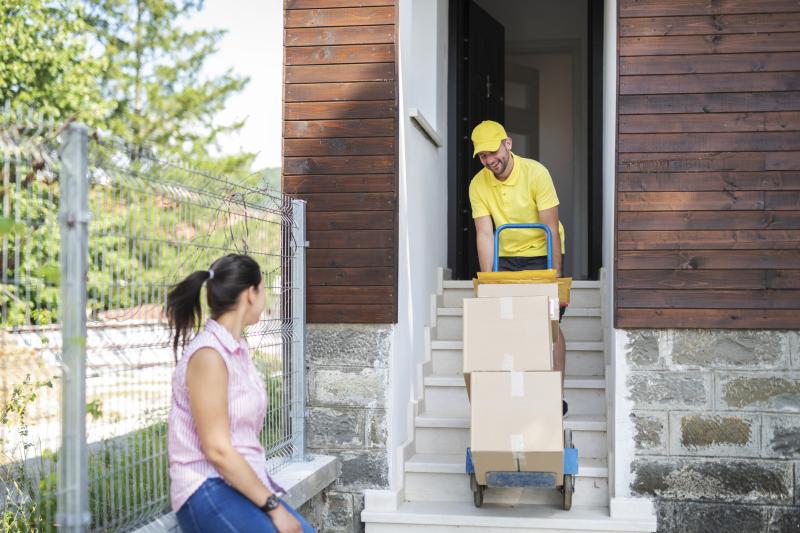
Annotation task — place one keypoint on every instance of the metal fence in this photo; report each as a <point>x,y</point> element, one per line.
<point>94,233</point>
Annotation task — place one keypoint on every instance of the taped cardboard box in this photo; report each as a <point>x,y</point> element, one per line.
<point>516,423</point>
<point>505,334</point>
<point>502,290</point>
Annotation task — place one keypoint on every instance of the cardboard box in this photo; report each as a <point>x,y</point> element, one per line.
<point>501,290</point>
<point>516,423</point>
<point>505,334</point>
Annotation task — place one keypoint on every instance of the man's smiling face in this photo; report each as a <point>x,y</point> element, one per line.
<point>497,161</point>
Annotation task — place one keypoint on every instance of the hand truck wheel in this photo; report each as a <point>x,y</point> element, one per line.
<point>567,490</point>
<point>477,490</point>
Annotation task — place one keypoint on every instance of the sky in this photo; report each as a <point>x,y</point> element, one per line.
<point>253,47</point>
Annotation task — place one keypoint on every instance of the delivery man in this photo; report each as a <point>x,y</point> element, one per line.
<point>511,190</point>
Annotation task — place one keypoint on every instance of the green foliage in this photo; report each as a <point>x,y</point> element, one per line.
<point>153,77</point>
<point>129,69</point>
<point>29,478</point>
<point>45,63</point>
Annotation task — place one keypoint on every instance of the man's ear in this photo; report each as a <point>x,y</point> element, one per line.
<point>509,143</point>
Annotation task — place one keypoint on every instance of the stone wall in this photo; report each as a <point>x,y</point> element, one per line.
<point>347,393</point>
<point>716,416</point>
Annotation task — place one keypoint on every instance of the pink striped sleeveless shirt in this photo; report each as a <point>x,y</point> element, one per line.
<point>247,407</point>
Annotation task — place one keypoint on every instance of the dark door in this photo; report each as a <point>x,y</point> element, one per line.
<point>477,86</point>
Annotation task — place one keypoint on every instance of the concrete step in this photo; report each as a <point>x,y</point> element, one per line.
<point>583,358</point>
<point>583,293</point>
<point>437,434</point>
<point>463,517</point>
<point>447,395</point>
<point>578,324</point>
<point>445,480</point>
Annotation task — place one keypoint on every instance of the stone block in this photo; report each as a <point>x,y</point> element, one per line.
<point>366,469</point>
<point>642,349</point>
<point>781,436</point>
<point>667,390</point>
<point>794,349</point>
<point>797,483</point>
<point>338,516</point>
<point>314,510</point>
<point>348,345</point>
<point>377,429</point>
<point>335,428</point>
<point>714,480</point>
<point>732,435</point>
<point>693,517</point>
<point>729,349</point>
<point>759,391</point>
<point>650,432</point>
<point>784,519</point>
<point>348,387</point>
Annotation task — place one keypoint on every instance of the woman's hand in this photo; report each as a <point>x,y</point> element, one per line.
<point>284,521</point>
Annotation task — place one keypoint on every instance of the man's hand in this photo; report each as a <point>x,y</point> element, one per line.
<point>284,521</point>
<point>550,218</point>
<point>485,242</point>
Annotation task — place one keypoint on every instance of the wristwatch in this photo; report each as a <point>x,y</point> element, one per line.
<point>271,504</point>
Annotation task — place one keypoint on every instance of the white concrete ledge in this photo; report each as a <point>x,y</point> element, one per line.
<point>302,482</point>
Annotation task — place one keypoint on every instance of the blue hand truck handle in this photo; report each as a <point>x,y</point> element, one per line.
<point>547,232</point>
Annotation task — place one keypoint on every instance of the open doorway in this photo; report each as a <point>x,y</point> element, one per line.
<point>534,66</point>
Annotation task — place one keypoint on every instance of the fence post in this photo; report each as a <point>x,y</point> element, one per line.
<point>73,488</point>
<point>299,328</point>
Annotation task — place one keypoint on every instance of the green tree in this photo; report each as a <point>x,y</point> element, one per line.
<point>154,78</point>
<point>45,64</point>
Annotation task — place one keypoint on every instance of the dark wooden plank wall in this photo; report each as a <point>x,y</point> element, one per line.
<point>708,164</point>
<point>340,152</point>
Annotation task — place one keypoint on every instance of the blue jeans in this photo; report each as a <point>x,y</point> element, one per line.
<point>216,507</point>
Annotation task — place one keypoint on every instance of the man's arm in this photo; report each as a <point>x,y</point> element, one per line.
<point>550,218</point>
<point>485,241</point>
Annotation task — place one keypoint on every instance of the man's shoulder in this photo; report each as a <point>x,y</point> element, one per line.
<point>479,179</point>
<point>530,165</point>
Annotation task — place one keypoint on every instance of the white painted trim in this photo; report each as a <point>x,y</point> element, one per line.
<point>416,116</point>
<point>631,509</point>
<point>620,427</point>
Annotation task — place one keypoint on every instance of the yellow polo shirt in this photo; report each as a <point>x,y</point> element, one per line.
<point>516,200</point>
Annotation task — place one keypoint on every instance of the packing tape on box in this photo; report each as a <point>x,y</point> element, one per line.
<point>521,462</point>
<point>553,308</point>
<point>506,308</point>
<point>516,443</point>
<point>508,362</point>
<point>517,384</point>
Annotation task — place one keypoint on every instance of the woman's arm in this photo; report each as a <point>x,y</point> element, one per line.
<point>207,381</point>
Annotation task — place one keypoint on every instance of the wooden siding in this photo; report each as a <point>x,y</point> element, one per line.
<point>340,152</point>
<point>708,164</point>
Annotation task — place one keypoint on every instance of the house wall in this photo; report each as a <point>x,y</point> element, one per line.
<point>706,421</point>
<point>340,153</point>
<point>708,208</point>
<point>362,377</point>
<point>423,43</point>
<point>716,427</point>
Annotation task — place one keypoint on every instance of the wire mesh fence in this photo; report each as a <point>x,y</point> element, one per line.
<point>149,223</point>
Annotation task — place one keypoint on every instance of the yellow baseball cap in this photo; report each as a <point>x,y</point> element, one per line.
<point>487,136</point>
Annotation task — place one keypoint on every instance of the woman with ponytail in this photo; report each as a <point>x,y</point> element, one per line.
<point>217,467</point>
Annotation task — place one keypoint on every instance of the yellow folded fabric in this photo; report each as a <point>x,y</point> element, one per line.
<point>528,276</point>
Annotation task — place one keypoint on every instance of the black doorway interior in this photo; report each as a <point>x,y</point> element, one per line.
<point>476,92</point>
<point>477,88</point>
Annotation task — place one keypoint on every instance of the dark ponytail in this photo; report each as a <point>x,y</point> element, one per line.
<point>227,278</point>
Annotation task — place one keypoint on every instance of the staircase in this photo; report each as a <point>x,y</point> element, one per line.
<point>437,496</point>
